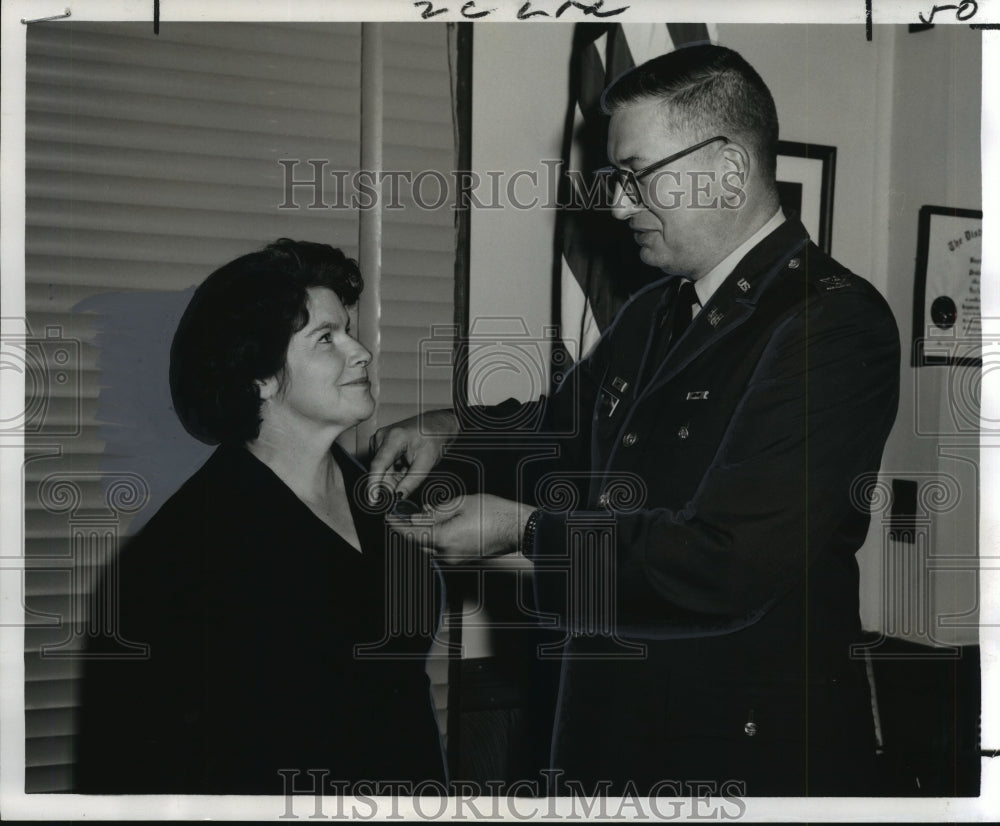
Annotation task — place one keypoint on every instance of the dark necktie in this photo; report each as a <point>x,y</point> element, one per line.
<point>681,311</point>
<point>672,323</point>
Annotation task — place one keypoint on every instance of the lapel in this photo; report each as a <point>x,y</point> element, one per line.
<point>733,302</point>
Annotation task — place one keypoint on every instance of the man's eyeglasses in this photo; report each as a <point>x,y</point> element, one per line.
<point>612,177</point>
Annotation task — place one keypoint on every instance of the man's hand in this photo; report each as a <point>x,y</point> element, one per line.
<point>405,452</point>
<point>467,528</point>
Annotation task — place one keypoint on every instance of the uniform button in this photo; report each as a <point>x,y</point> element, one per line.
<point>794,264</point>
<point>629,439</point>
<point>750,728</point>
<point>684,432</point>
<point>603,499</point>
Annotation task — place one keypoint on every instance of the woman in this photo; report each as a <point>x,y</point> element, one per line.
<point>267,593</point>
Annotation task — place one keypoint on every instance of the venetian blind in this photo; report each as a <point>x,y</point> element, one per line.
<point>150,161</point>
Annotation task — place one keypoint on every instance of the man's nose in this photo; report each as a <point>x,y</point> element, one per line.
<point>623,206</point>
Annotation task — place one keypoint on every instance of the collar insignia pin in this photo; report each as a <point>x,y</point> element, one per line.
<point>608,403</point>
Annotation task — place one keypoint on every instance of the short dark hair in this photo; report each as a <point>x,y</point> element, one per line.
<point>236,329</point>
<point>713,89</point>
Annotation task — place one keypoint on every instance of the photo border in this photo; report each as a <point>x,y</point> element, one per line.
<point>194,807</point>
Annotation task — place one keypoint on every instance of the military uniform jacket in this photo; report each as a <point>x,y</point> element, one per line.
<point>698,530</point>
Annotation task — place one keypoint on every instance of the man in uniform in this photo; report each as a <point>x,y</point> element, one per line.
<point>717,438</point>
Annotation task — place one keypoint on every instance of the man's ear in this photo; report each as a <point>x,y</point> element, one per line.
<point>736,159</point>
<point>267,388</point>
<point>736,162</point>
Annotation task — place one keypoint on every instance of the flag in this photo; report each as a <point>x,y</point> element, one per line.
<point>599,265</point>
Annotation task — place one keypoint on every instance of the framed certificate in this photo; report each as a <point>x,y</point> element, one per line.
<point>947,314</point>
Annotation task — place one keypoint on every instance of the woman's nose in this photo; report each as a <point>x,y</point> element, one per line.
<point>360,357</point>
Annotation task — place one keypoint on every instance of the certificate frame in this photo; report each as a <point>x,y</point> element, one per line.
<point>935,222</point>
<point>805,176</point>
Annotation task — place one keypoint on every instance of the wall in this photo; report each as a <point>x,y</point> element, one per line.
<point>517,121</point>
<point>903,112</point>
<point>835,107</point>
<point>936,160</point>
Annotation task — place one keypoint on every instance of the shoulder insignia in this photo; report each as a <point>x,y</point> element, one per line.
<point>835,282</point>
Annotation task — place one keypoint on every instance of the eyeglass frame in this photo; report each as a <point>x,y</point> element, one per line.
<point>622,175</point>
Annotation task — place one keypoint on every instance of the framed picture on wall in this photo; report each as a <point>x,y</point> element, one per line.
<point>947,315</point>
<point>805,186</point>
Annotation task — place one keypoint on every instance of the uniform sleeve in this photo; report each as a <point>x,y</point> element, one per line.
<point>512,444</point>
<point>815,415</point>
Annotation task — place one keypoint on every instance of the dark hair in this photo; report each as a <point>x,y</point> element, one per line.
<point>713,90</point>
<point>236,329</point>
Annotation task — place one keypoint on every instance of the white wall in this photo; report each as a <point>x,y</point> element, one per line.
<point>520,90</point>
<point>825,84</point>
<point>935,160</point>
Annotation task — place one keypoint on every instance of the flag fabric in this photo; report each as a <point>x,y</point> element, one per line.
<point>599,265</point>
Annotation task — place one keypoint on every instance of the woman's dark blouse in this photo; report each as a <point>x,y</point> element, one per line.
<point>252,608</point>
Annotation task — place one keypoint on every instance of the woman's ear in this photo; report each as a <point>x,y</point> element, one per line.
<point>267,388</point>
